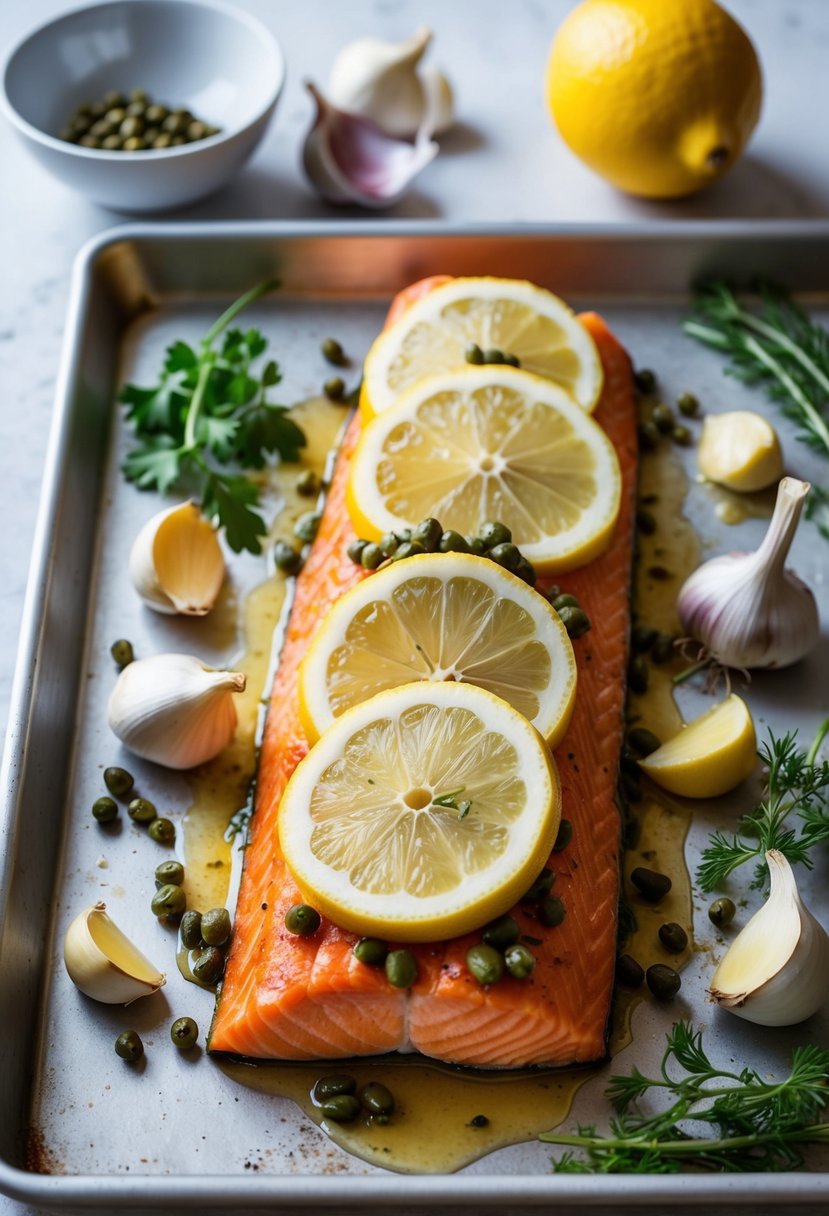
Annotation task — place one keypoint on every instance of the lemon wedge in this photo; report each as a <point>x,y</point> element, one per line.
<point>740,450</point>
<point>421,814</point>
<point>490,443</point>
<point>709,756</point>
<point>509,315</point>
<point>441,616</point>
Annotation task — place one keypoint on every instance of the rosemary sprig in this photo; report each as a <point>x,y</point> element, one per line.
<point>797,787</point>
<point>757,1124</point>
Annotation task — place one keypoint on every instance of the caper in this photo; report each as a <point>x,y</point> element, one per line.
<point>156,114</point>
<point>688,405</point>
<point>112,143</point>
<point>663,981</point>
<point>334,389</point>
<point>673,937</point>
<point>164,140</point>
<point>371,556</point>
<point>645,380</point>
<point>506,555</point>
<point>162,830</point>
<point>355,550</point>
<point>101,128</point>
<point>642,637</point>
<point>177,141</point>
<point>196,130</point>
<point>478,1121</point>
<point>215,926</point>
<point>307,526</point>
<point>370,951</point>
<point>526,570</point>
<point>151,134</point>
<point>134,144</point>
<point>511,360</point>
<point>682,436</point>
<point>540,887</point>
<point>565,835</point>
<point>333,1085</point>
<point>492,532</point>
<point>403,534</point>
<point>128,1045</point>
<point>575,621</point>
<point>660,573</point>
<point>645,522</point>
<point>493,355</point>
<point>638,676</point>
<point>628,923</point>
<point>114,98</point>
<point>69,135</point>
<point>122,652</point>
<point>409,548</point>
<point>643,741</point>
<point>519,961</point>
<point>629,973</point>
<point>190,929</point>
<point>453,542</point>
<point>632,791</point>
<point>650,884</point>
<point>722,912</point>
<point>104,809</point>
<point>552,593</point>
<point>208,965</point>
<point>118,781</point>
<point>115,116</point>
<point>485,963</point>
<point>473,354</point>
<point>139,97</point>
<point>663,418</point>
<point>97,109</point>
<point>302,920</point>
<point>551,911</point>
<point>428,532</point>
<point>401,968</point>
<point>286,558</point>
<point>341,1109</point>
<point>132,125</point>
<point>217,131</point>
<point>184,1032</point>
<point>388,543</point>
<point>377,1099</point>
<point>141,810</point>
<point>308,484</point>
<point>648,436</point>
<point>168,902</point>
<point>170,871</point>
<point>175,123</point>
<point>663,648</point>
<point>503,932</point>
<point>333,352</point>
<point>565,600</point>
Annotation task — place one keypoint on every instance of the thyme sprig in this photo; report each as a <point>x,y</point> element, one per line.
<point>756,1124</point>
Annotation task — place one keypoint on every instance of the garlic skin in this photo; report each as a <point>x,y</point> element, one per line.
<point>174,710</point>
<point>104,964</point>
<point>740,450</point>
<point>348,159</point>
<point>746,609</point>
<point>176,563</point>
<point>380,80</point>
<point>776,971</point>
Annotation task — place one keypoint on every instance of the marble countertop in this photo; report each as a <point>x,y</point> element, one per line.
<point>503,162</point>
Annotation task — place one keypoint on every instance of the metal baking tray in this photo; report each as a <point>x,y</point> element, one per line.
<point>180,1138</point>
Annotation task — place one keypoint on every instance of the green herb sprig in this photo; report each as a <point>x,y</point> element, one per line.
<point>208,415</point>
<point>797,787</point>
<point>756,1124</point>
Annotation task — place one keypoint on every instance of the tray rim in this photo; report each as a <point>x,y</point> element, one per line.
<point>211,1191</point>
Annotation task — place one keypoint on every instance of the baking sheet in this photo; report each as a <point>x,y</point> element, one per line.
<point>188,1135</point>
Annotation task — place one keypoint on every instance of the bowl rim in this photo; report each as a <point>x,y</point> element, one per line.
<point>101,155</point>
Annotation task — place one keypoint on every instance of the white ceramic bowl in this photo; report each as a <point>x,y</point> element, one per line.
<point>201,55</point>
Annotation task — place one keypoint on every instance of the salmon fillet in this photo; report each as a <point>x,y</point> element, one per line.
<point>288,997</point>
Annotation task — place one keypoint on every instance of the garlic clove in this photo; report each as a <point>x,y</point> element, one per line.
<point>740,450</point>
<point>776,971</point>
<point>104,964</point>
<point>176,562</point>
<point>439,101</point>
<point>350,160</point>
<point>174,710</point>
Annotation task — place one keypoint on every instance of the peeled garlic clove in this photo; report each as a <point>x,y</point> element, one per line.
<point>349,159</point>
<point>440,101</point>
<point>176,563</point>
<point>174,710</point>
<point>776,971</point>
<point>740,450</point>
<point>103,962</point>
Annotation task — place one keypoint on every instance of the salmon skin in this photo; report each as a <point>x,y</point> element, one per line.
<point>303,998</point>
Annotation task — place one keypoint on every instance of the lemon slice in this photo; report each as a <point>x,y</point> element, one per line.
<point>709,756</point>
<point>421,814</point>
<point>441,616</point>
<point>510,315</point>
<point>490,443</point>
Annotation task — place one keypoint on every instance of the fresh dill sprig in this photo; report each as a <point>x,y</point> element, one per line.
<point>756,1124</point>
<point>797,787</point>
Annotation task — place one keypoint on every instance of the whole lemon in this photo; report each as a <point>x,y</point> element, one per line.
<point>657,96</point>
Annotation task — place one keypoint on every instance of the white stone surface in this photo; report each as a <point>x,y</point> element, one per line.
<point>503,162</point>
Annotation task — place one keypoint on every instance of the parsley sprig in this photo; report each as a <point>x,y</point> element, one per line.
<point>797,788</point>
<point>208,418</point>
<point>756,1124</point>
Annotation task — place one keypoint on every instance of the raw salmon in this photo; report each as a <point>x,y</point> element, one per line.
<point>308,998</point>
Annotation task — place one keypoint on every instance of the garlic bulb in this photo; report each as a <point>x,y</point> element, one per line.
<point>747,609</point>
<point>176,562</point>
<point>776,971</point>
<point>103,962</point>
<point>174,710</point>
<point>380,81</point>
<point>350,160</point>
<point>740,450</point>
